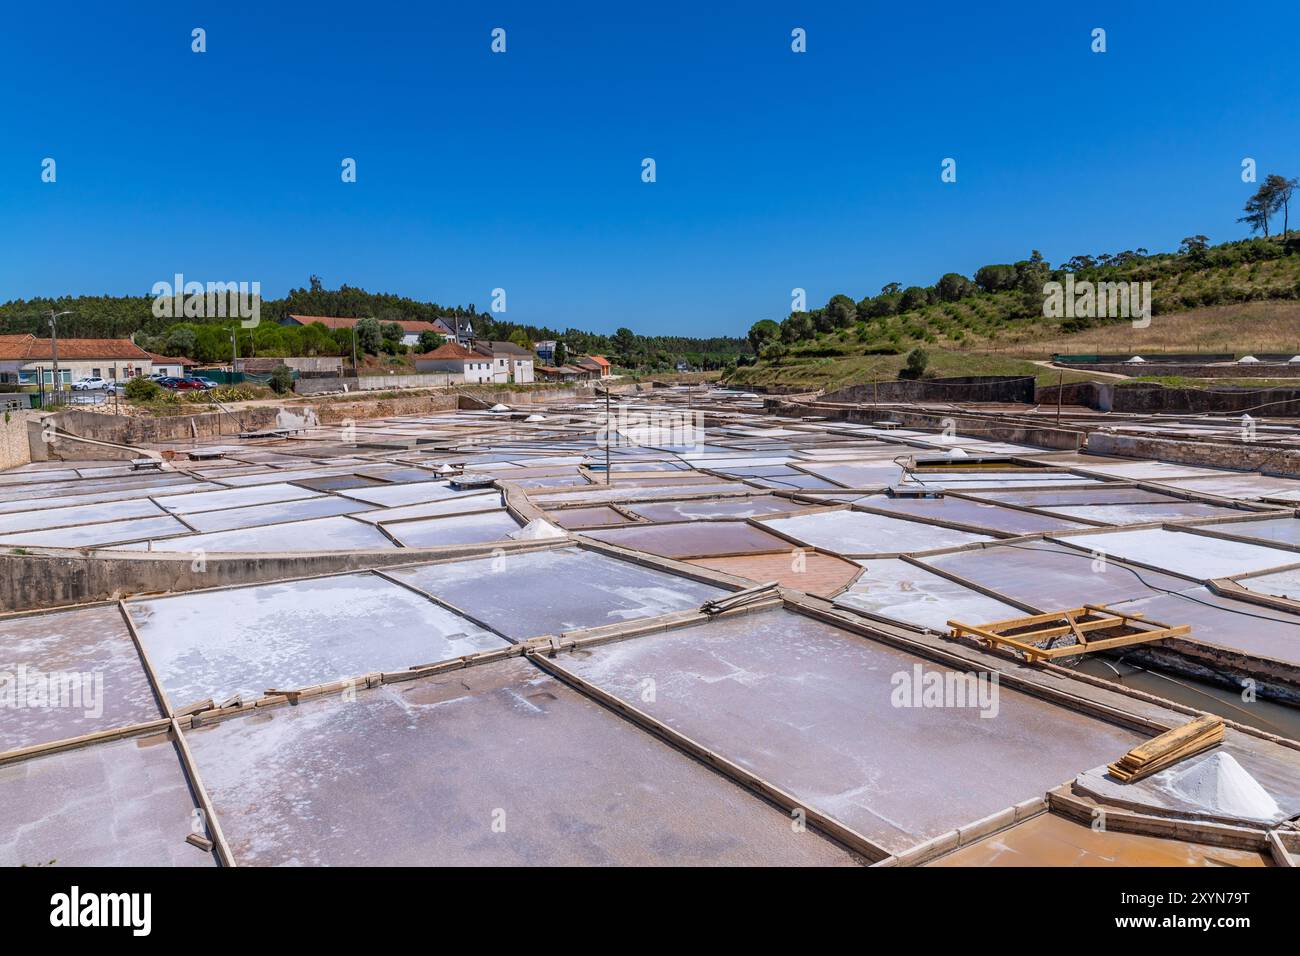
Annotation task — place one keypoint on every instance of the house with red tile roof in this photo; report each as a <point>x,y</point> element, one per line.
<point>177,367</point>
<point>598,365</point>
<point>24,359</point>
<point>473,367</point>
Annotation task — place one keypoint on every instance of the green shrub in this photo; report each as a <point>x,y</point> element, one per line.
<point>142,390</point>
<point>281,379</point>
<point>917,361</point>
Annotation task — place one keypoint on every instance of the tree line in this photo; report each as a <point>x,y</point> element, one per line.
<point>210,340</point>
<point>1018,286</point>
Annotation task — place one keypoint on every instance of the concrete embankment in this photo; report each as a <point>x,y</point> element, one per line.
<point>46,441</point>
<point>33,578</point>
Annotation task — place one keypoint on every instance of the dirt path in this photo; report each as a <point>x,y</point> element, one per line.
<point>1047,364</point>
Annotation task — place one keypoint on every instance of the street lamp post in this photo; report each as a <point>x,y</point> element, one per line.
<point>54,342</point>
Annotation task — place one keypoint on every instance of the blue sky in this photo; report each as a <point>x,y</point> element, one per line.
<point>523,170</point>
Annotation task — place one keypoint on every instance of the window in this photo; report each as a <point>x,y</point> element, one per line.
<point>94,373</point>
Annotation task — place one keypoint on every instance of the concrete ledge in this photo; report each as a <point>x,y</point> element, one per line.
<point>44,578</point>
<point>1240,456</point>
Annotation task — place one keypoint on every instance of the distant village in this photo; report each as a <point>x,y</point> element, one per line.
<point>61,363</point>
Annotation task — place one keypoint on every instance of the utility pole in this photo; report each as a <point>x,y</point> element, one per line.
<point>1060,380</point>
<point>234,352</point>
<point>54,342</point>
<point>609,477</point>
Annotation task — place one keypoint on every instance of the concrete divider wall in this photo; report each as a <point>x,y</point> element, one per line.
<point>960,388</point>
<point>1043,436</point>
<point>1200,370</point>
<point>142,430</point>
<point>1242,457</point>
<point>15,448</point>
<point>29,581</point>
<point>323,384</point>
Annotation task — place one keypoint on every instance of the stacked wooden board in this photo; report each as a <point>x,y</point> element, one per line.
<point>1170,747</point>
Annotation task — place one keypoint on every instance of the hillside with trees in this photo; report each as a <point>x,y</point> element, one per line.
<point>999,310</point>
<point>209,340</point>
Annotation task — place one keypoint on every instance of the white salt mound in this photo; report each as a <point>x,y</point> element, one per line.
<point>957,453</point>
<point>499,408</point>
<point>1221,785</point>
<point>536,529</point>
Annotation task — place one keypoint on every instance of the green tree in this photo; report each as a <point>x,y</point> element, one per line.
<point>841,311</point>
<point>181,341</point>
<point>797,327</point>
<point>281,379</point>
<point>430,340</point>
<point>561,356</point>
<point>917,361</point>
<point>1281,189</point>
<point>914,297</point>
<point>763,332</point>
<point>995,278</point>
<point>953,286</point>
<point>1260,207</point>
<point>369,339</point>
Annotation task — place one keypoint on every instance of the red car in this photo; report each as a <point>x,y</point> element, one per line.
<point>180,384</point>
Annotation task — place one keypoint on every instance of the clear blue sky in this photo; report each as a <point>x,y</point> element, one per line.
<point>522,170</point>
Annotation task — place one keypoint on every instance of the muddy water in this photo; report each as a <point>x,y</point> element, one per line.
<point>1274,718</point>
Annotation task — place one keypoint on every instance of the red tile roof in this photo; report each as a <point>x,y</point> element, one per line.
<point>28,348</point>
<point>449,351</point>
<point>599,360</point>
<point>167,360</point>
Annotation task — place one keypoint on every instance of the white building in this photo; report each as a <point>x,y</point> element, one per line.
<point>453,359</point>
<point>510,363</point>
<point>25,360</point>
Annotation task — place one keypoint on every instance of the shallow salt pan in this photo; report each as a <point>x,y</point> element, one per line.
<point>248,640</point>
<point>546,592</point>
<point>860,532</point>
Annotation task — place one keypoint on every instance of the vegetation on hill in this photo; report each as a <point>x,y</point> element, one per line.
<point>1001,308</point>
<point>209,340</point>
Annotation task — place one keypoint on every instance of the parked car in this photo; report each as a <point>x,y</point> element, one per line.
<point>91,384</point>
<point>205,382</point>
<point>179,384</point>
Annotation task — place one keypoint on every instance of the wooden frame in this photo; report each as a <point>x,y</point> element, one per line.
<point>1079,622</point>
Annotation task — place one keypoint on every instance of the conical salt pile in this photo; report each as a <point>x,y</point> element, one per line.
<point>1220,784</point>
<point>537,529</point>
